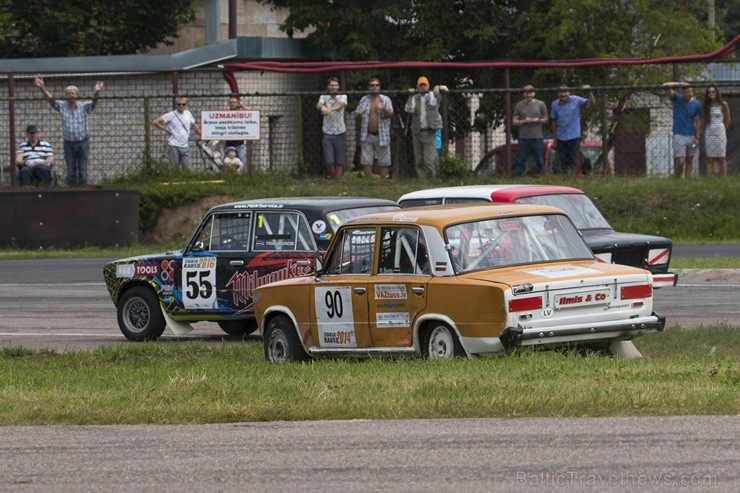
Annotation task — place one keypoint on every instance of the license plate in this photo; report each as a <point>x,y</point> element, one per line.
<point>582,298</point>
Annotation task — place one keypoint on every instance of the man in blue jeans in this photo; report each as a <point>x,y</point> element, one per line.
<point>529,115</point>
<point>75,131</point>
<point>566,124</point>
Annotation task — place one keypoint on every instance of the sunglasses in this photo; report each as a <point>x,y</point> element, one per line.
<point>711,92</point>
<point>181,104</point>
<point>374,85</point>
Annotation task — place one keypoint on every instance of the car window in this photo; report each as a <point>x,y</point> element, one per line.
<point>421,202</point>
<point>577,206</point>
<point>281,231</point>
<point>225,233</point>
<point>353,253</point>
<point>337,218</point>
<point>509,241</point>
<point>465,200</point>
<point>403,251</point>
<point>489,164</point>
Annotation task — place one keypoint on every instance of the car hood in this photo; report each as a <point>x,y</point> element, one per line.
<point>604,240</point>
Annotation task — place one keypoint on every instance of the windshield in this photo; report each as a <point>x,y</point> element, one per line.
<point>507,241</point>
<point>337,218</point>
<point>577,206</point>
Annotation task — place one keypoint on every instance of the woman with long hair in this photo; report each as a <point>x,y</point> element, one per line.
<point>716,120</point>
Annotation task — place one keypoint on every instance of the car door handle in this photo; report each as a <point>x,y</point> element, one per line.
<point>360,290</point>
<point>236,262</point>
<point>418,290</point>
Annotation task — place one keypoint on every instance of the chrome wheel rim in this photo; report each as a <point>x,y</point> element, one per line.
<point>441,343</point>
<point>277,347</point>
<point>137,315</point>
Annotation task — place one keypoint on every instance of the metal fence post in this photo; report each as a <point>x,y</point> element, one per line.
<point>604,133</point>
<point>147,132</point>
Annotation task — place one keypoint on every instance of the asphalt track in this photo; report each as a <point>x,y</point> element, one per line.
<point>63,304</point>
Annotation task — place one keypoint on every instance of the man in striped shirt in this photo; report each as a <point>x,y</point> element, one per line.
<point>75,131</point>
<point>35,158</point>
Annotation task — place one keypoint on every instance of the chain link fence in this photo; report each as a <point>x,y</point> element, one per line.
<point>627,132</point>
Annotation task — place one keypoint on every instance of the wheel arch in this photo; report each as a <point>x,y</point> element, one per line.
<point>138,282</point>
<point>422,323</point>
<point>278,310</point>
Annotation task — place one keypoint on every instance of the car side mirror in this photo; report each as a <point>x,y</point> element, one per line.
<point>198,247</point>
<point>319,265</point>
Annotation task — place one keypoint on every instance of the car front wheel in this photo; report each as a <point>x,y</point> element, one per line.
<point>139,315</point>
<point>281,342</point>
<point>440,342</point>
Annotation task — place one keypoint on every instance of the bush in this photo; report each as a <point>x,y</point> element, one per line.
<point>451,167</point>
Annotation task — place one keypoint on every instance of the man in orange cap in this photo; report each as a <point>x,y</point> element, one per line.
<point>423,105</point>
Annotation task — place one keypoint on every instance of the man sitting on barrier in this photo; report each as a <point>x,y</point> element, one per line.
<point>35,158</point>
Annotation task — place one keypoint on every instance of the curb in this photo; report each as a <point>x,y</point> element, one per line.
<point>688,276</point>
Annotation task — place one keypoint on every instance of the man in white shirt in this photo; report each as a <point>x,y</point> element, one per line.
<point>333,141</point>
<point>177,124</point>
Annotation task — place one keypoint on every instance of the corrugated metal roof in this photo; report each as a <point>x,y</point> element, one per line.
<point>231,50</point>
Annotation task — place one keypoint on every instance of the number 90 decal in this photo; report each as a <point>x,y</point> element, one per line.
<point>335,317</point>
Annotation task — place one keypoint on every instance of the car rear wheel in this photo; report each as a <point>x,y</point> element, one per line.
<point>281,342</point>
<point>238,327</point>
<point>440,342</point>
<point>139,315</point>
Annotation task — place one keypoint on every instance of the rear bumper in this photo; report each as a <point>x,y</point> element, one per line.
<point>665,280</point>
<point>518,337</point>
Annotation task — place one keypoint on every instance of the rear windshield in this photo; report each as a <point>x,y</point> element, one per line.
<point>507,241</point>
<point>337,218</point>
<point>578,206</point>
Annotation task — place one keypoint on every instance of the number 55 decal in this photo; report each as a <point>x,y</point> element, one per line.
<point>334,317</point>
<point>199,283</point>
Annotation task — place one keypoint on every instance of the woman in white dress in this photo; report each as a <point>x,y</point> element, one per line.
<point>716,120</point>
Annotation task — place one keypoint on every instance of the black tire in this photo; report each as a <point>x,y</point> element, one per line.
<point>440,342</point>
<point>281,342</point>
<point>238,327</point>
<point>139,315</point>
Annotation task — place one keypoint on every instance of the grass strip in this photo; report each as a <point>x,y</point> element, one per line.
<point>684,372</point>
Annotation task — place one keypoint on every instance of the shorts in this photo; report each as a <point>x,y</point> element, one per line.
<point>372,149</point>
<point>683,146</point>
<point>335,149</point>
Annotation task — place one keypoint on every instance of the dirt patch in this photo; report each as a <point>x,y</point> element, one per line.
<point>176,225</point>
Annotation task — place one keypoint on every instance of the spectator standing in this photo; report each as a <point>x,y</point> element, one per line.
<point>75,130</point>
<point>565,115</point>
<point>423,106</point>
<point>375,111</point>
<point>686,127</point>
<point>529,115</point>
<point>177,124</point>
<point>333,139</point>
<point>716,121</point>
<point>232,160</point>
<point>35,158</point>
<point>240,146</point>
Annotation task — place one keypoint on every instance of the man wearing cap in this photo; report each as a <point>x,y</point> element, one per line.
<point>423,106</point>
<point>529,115</point>
<point>566,124</point>
<point>75,131</point>
<point>35,158</point>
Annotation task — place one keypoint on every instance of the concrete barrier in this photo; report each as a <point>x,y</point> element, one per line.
<point>68,217</point>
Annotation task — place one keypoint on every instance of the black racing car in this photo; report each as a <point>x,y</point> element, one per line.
<point>237,247</point>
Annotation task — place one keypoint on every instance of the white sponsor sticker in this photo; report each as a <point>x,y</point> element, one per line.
<point>125,270</point>
<point>390,292</point>
<point>318,227</point>
<point>562,271</point>
<point>334,316</point>
<point>391,320</point>
<point>582,298</point>
<point>199,283</point>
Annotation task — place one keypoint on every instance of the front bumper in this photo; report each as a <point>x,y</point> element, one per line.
<point>518,337</point>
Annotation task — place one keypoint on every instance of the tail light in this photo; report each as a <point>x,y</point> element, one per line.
<point>635,292</point>
<point>525,304</point>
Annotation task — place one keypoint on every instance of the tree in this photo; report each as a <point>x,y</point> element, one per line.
<point>50,28</point>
